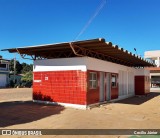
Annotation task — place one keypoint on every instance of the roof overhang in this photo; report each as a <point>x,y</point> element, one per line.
<point>96,48</point>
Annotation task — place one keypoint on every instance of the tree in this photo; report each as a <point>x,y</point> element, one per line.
<point>26,68</point>
<point>28,76</point>
<point>23,64</point>
<point>27,79</point>
<point>18,66</point>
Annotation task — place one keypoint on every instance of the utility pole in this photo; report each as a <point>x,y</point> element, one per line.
<point>15,68</point>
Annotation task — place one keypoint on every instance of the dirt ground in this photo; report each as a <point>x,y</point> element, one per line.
<point>15,94</point>
<point>17,111</point>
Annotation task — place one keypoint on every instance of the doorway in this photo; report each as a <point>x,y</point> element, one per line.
<point>108,85</point>
<point>102,87</point>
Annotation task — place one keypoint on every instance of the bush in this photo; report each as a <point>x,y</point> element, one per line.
<point>11,84</point>
<point>27,79</point>
<point>26,84</point>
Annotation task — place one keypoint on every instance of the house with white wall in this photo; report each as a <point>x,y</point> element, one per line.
<point>4,72</point>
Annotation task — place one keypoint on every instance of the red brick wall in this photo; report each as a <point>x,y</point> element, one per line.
<point>67,87</point>
<point>61,86</point>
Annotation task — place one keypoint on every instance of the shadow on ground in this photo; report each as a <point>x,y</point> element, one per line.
<point>137,100</point>
<point>18,112</point>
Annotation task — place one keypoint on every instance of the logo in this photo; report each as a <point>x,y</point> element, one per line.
<point>6,132</point>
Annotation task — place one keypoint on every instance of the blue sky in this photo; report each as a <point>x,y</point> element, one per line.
<point>128,23</point>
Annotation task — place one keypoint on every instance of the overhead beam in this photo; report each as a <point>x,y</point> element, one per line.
<point>79,51</point>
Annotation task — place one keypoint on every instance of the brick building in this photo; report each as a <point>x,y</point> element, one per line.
<point>84,73</point>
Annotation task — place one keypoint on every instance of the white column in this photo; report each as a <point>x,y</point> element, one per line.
<point>127,82</point>
<point>158,62</point>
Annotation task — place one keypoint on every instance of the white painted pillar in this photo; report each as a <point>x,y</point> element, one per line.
<point>158,62</point>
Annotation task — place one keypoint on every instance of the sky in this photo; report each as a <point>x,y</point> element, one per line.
<point>127,23</point>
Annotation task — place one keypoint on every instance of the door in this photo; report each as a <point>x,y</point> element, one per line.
<point>108,85</point>
<point>3,80</point>
<point>102,86</point>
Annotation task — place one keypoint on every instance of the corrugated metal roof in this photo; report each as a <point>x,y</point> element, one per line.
<point>96,48</point>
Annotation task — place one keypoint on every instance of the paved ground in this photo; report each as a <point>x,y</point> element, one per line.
<point>136,113</point>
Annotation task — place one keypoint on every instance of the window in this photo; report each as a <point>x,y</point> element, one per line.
<point>114,80</point>
<point>92,80</point>
<point>155,81</point>
<point>2,65</point>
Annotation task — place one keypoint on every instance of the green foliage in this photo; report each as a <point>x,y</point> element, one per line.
<point>26,68</point>
<point>18,66</point>
<point>27,79</point>
<point>11,84</point>
<point>26,84</point>
<point>28,76</point>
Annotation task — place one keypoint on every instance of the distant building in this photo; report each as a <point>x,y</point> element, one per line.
<point>4,72</point>
<point>154,56</point>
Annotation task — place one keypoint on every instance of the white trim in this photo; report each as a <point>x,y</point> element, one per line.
<point>77,106</point>
<point>84,107</point>
<point>37,81</point>
<point>39,68</point>
<point>154,89</point>
<point>154,74</point>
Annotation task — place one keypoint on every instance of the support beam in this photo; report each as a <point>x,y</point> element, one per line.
<point>79,51</point>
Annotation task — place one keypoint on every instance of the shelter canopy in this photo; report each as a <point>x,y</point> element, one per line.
<point>96,48</point>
